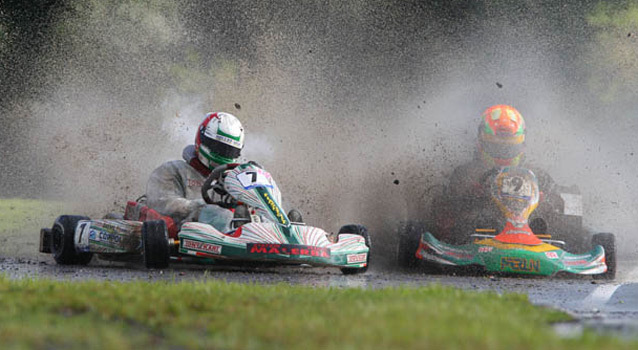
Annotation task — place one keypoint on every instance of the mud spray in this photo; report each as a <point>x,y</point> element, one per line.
<point>357,108</point>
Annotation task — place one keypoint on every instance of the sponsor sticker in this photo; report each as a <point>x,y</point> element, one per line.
<point>576,262</point>
<point>274,208</point>
<point>288,249</point>
<point>520,264</point>
<point>573,204</point>
<point>202,246</point>
<point>105,234</point>
<point>458,254</point>
<point>356,258</point>
<point>551,255</point>
<point>224,139</point>
<point>485,249</point>
<point>195,183</point>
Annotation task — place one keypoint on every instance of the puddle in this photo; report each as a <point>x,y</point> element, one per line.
<point>623,328</point>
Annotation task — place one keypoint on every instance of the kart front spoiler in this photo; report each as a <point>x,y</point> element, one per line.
<point>542,259</point>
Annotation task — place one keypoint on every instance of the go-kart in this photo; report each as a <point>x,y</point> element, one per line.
<point>260,231</point>
<point>507,245</point>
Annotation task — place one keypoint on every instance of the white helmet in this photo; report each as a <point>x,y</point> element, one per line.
<point>219,140</point>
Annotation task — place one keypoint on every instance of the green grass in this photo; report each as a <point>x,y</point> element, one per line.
<point>219,315</point>
<point>16,213</point>
<point>20,223</point>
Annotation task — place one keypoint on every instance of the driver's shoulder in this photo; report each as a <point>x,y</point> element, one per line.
<point>173,168</point>
<point>468,170</point>
<point>173,165</point>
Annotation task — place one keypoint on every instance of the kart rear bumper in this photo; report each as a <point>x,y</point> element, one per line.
<point>45,240</point>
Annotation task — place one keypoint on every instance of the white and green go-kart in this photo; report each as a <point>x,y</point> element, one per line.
<point>260,232</point>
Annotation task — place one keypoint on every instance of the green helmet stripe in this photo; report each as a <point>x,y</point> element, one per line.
<point>220,132</point>
<point>216,158</point>
<point>486,127</point>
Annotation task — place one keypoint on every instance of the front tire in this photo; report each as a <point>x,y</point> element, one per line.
<point>62,241</point>
<point>608,242</point>
<point>409,237</point>
<point>363,232</point>
<point>156,250</point>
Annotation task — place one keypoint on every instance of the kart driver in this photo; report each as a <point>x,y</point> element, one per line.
<point>174,188</point>
<point>501,143</point>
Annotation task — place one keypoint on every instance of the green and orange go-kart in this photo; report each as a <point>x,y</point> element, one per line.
<point>259,232</point>
<point>510,247</point>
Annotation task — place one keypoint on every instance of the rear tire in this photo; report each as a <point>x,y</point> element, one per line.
<point>409,237</point>
<point>62,241</point>
<point>608,242</point>
<point>363,232</point>
<point>155,246</point>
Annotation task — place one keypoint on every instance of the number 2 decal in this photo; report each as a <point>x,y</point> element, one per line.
<point>516,186</point>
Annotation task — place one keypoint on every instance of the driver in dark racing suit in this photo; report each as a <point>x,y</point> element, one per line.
<point>466,203</point>
<point>174,188</point>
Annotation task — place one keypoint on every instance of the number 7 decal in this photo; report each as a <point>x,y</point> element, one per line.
<point>252,179</point>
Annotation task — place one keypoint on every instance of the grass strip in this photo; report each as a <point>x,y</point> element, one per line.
<point>20,223</point>
<point>219,315</point>
<point>16,213</point>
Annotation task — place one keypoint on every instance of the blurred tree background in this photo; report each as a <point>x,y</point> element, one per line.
<point>601,32</point>
<point>614,63</point>
<point>326,55</point>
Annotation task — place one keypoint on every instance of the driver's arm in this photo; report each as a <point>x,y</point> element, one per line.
<point>550,199</point>
<point>166,192</point>
<point>467,181</point>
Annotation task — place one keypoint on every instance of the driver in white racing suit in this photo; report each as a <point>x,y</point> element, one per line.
<point>174,188</point>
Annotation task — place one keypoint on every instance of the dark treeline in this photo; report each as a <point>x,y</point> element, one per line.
<point>25,27</point>
<point>229,28</point>
<point>353,38</point>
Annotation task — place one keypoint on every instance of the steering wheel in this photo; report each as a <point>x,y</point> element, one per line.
<point>213,182</point>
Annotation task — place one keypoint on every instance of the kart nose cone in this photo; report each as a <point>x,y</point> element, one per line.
<point>515,192</point>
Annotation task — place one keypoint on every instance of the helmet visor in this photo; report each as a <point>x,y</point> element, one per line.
<point>502,150</point>
<point>221,149</point>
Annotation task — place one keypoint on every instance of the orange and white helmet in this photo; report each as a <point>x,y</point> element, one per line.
<point>501,136</point>
<point>219,139</point>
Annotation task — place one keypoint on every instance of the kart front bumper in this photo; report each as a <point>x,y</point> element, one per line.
<point>544,259</point>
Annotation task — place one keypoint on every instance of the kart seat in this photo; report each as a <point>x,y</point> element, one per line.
<point>136,211</point>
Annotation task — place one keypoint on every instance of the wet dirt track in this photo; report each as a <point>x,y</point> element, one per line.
<point>605,305</point>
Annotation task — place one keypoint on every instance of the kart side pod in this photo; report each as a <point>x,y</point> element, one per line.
<point>74,239</point>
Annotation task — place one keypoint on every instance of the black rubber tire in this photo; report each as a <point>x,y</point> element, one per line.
<point>363,232</point>
<point>409,236</point>
<point>608,242</point>
<point>156,250</point>
<point>295,216</point>
<point>62,245</point>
